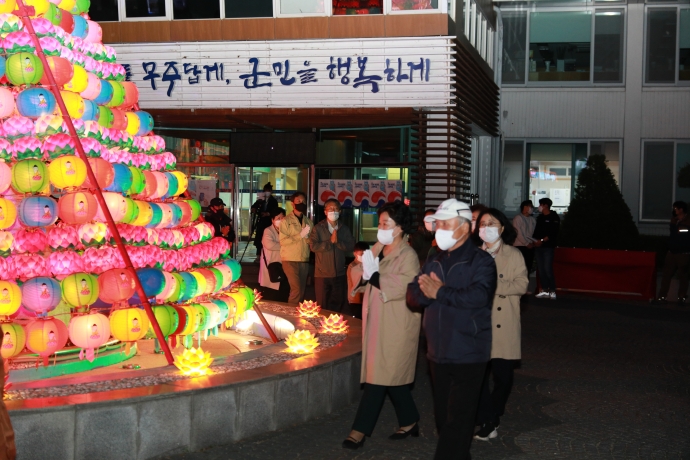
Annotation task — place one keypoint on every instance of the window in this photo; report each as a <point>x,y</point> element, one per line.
<point>302,7</point>
<point>512,177</point>
<point>409,5</point>
<point>611,150</point>
<point>661,45</point>
<point>684,53</point>
<point>145,9</point>
<point>252,9</point>
<point>351,7</point>
<point>104,10</point>
<point>657,180</point>
<point>478,30</point>
<point>514,39</point>
<point>608,47</point>
<point>196,9</point>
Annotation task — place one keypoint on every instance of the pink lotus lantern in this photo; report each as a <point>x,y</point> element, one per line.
<point>30,266</point>
<point>166,239</point>
<point>191,235</point>
<point>99,260</point>
<point>205,231</point>
<point>308,309</point>
<point>30,240</point>
<point>5,149</point>
<point>7,268</point>
<point>158,143</point>
<point>178,240</point>
<point>18,126</point>
<point>63,237</point>
<point>152,237</point>
<point>57,145</point>
<point>92,147</point>
<point>43,27</point>
<point>18,42</point>
<point>49,124</point>
<point>334,324</point>
<point>63,263</point>
<point>170,260</point>
<point>92,234</point>
<point>45,336</point>
<point>26,147</point>
<point>50,45</point>
<point>132,234</point>
<point>89,332</point>
<point>5,176</point>
<point>93,130</point>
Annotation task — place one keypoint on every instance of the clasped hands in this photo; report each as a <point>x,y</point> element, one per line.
<point>370,265</point>
<point>430,285</point>
<point>305,231</point>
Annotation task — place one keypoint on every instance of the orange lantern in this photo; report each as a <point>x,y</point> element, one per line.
<point>45,336</point>
<point>62,70</point>
<point>116,285</point>
<point>77,207</point>
<point>104,172</point>
<point>89,332</point>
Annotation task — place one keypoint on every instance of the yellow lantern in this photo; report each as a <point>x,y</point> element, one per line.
<point>200,283</point>
<point>67,5</point>
<point>8,6</point>
<point>8,213</point>
<point>308,309</point>
<point>193,362</point>
<point>145,214</point>
<point>182,182</point>
<point>79,80</point>
<point>193,320</point>
<point>74,103</point>
<point>240,301</point>
<point>129,324</point>
<point>67,171</point>
<point>40,6</point>
<point>13,339</point>
<point>6,243</point>
<point>133,123</point>
<point>10,297</point>
<point>334,324</point>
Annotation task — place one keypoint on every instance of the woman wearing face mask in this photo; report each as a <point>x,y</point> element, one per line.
<point>390,332</point>
<point>497,235</point>
<point>271,254</point>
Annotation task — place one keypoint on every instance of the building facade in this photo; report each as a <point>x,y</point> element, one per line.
<point>604,77</point>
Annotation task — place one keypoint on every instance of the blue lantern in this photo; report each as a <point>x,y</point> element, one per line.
<point>34,102</point>
<point>106,93</point>
<point>38,211</point>
<point>157,216</point>
<point>176,214</point>
<point>3,66</point>
<point>190,286</point>
<point>152,280</point>
<point>123,179</point>
<point>145,122</point>
<point>41,294</point>
<point>91,111</point>
<point>81,27</point>
<point>173,185</point>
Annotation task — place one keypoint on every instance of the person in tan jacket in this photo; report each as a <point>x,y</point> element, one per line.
<point>497,234</point>
<point>294,247</point>
<point>354,277</point>
<point>390,330</point>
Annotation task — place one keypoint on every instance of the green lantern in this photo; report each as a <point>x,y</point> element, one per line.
<point>224,310</point>
<point>105,116</point>
<point>54,14</point>
<point>205,317</point>
<point>196,209</point>
<point>248,293</point>
<point>81,6</point>
<point>118,95</point>
<point>24,69</point>
<point>219,278</point>
<point>132,211</point>
<point>167,318</point>
<point>79,289</point>
<point>179,288</point>
<point>29,176</point>
<point>138,181</point>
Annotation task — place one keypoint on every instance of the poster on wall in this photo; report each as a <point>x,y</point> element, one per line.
<point>360,193</point>
<point>202,191</point>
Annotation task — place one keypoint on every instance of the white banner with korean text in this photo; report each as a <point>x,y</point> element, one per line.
<point>390,72</point>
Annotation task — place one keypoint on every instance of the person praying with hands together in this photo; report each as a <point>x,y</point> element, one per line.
<point>294,247</point>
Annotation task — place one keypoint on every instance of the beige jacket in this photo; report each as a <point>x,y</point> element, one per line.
<point>271,253</point>
<point>505,315</point>
<point>294,248</point>
<point>390,334</point>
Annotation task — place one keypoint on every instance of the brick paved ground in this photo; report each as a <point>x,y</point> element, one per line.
<point>597,380</point>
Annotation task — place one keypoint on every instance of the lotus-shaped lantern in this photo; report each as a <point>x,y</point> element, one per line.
<point>193,362</point>
<point>308,309</point>
<point>334,324</point>
<point>301,341</point>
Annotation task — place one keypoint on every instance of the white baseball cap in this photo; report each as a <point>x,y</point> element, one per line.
<point>449,209</point>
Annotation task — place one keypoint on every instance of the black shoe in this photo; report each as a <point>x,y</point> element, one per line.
<point>414,432</point>
<point>351,444</point>
<point>661,299</point>
<point>486,432</point>
<point>682,301</point>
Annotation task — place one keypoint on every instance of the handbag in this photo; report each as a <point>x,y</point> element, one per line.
<point>275,270</point>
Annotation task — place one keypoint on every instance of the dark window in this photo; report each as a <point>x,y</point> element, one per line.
<point>657,180</point>
<point>661,46</point>
<point>144,8</point>
<point>104,10</point>
<point>608,47</point>
<point>248,9</point>
<point>196,9</point>
<point>514,42</point>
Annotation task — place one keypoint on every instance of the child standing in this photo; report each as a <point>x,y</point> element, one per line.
<point>354,276</point>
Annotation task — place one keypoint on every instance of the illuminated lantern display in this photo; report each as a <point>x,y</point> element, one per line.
<point>308,309</point>
<point>161,185</point>
<point>67,171</point>
<point>138,181</point>
<point>63,237</point>
<point>34,102</point>
<point>172,185</point>
<point>129,325</point>
<point>240,303</point>
<point>91,112</point>
<point>64,263</point>
<point>119,119</point>
<point>204,318</point>
<point>131,98</point>
<point>77,207</point>
<point>225,309</point>
<point>95,34</point>
<point>13,339</point>
<point>45,336</point>
<point>80,289</point>
<point>156,215</point>
<point>145,123</point>
<point>103,171</point>
<point>182,182</point>
<point>10,298</point>
<point>118,97</point>
<point>38,211</point>
<point>117,205</point>
<point>27,147</point>
<point>106,93</point>
<point>122,181</point>
<point>334,324</point>
<point>235,267</point>
<point>116,285</point>
<point>92,234</point>
<point>93,87</point>
<point>79,81</point>
<point>29,176</point>
<point>30,240</point>
<point>6,103</point>
<point>89,332</point>
<point>167,317</point>
<point>81,28</point>
<point>214,314</point>
<point>74,103</point>
<point>24,69</point>
<point>301,341</point>
<point>144,215</point>
<point>193,362</point>
<point>41,294</point>
<point>186,212</point>
<point>56,145</point>
<point>150,185</point>
<point>166,216</point>
<point>61,68</point>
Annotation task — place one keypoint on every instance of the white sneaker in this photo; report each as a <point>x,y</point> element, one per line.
<point>552,295</point>
<point>543,295</point>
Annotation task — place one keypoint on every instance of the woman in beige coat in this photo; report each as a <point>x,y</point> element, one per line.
<point>497,234</point>
<point>390,332</point>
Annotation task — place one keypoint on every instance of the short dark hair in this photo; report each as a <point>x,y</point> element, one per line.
<point>546,201</point>
<point>332,200</point>
<point>429,211</point>
<point>268,186</point>
<point>509,234</point>
<point>296,194</point>
<point>525,203</point>
<point>682,205</point>
<point>478,207</point>
<point>400,214</point>
<point>276,212</point>
<point>361,246</point>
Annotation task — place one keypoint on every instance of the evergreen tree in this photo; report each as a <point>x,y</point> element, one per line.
<point>598,216</point>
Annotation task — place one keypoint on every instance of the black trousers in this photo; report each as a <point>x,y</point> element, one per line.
<point>456,396</point>
<point>492,404</point>
<point>331,293</point>
<point>277,295</point>
<point>675,263</point>
<point>355,309</point>
<point>528,255</point>
<point>372,402</point>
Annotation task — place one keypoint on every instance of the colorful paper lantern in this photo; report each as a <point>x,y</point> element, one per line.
<point>301,341</point>
<point>5,177</point>
<point>66,5</point>
<point>80,289</point>
<point>152,280</point>
<point>168,287</point>
<point>63,237</point>
<point>8,213</point>
<point>79,81</point>
<point>74,104</point>
<point>7,104</point>
<point>92,112</point>
<point>129,324</point>
<point>138,181</point>
<point>103,171</point>
<point>62,70</point>
<point>81,27</point>
<point>131,98</point>
<point>150,185</point>
<point>122,181</point>
<point>190,286</point>
<point>77,207</point>
<point>145,123</point>
<point>27,147</point>
<point>106,93</point>
<point>95,34</point>
<point>38,211</point>
<point>24,69</point>
<point>172,185</point>
<point>89,332</point>
<point>29,176</point>
<point>145,213</point>
<point>45,336</point>
<point>13,339</point>
<point>67,171</point>
<point>193,319</point>
<point>182,182</point>
<point>196,209</point>
<point>57,145</point>
<point>167,317</point>
<point>116,285</point>
<point>66,21</point>
<point>132,123</point>
<point>156,215</point>
<point>10,297</point>
<point>34,102</point>
<point>41,294</point>
<point>117,205</point>
<point>93,87</point>
<point>119,119</point>
<point>30,240</point>
<point>92,234</point>
<point>81,6</point>
<point>193,362</point>
<point>118,95</point>
<point>8,6</point>
<point>236,268</point>
<point>161,185</point>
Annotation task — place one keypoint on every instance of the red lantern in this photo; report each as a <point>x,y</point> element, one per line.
<point>62,70</point>
<point>119,119</point>
<point>66,21</point>
<point>77,207</point>
<point>131,94</point>
<point>104,172</point>
<point>116,285</point>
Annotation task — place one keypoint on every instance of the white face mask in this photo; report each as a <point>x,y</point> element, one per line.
<point>277,222</point>
<point>358,257</point>
<point>489,234</point>
<point>430,226</point>
<point>445,240</point>
<point>333,215</point>
<point>384,236</point>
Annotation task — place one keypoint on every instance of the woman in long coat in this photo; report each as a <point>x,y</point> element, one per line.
<point>270,253</point>
<point>390,333</point>
<point>497,234</point>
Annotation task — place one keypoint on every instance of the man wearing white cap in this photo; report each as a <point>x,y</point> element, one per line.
<point>456,287</point>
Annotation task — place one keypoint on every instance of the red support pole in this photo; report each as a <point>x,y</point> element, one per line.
<point>24,14</point>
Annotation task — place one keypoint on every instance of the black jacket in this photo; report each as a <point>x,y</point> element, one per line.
<point>547,226</point>
<point>218,220</point>
<point>263,222</point>
<point>458,321</point>
<point>679,238</point>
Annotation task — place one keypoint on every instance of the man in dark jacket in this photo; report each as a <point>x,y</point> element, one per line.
<point>330,240</point>
<point>456,287</point>
<point>678,255</point>
<point>221,222</point>
<point>262,210</point>
<point>546,240</point>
